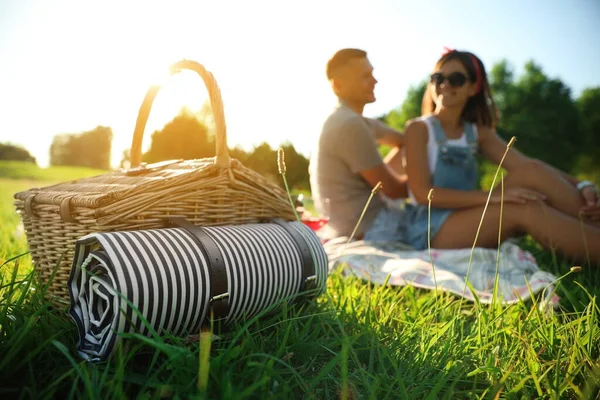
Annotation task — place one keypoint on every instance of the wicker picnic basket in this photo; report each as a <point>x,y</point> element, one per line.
<point>209,191</point>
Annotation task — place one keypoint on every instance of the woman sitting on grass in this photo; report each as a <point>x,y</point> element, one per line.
<point>458,121</point>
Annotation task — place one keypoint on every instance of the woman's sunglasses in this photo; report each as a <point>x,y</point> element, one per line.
<point>455,79</point>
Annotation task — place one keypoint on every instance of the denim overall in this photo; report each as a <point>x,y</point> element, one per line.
<point>456,168</point>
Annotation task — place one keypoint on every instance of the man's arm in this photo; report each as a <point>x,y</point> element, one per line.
<point>392,185</point>
<point>385,134</point>
<point>357,146</point>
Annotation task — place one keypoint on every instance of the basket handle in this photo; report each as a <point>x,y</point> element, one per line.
<point>216,102</point>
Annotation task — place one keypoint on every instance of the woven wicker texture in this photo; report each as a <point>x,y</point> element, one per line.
<point>209,192</point>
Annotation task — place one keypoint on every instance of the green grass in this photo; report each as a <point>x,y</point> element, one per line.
<point>360,340</point>
<point>23,170</point>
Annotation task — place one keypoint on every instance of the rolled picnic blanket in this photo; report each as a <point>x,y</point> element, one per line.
<point>169,280</point>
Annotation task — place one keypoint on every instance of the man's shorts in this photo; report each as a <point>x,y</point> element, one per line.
<point>390,224</point>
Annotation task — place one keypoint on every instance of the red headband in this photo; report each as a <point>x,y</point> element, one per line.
<point>478,77</point>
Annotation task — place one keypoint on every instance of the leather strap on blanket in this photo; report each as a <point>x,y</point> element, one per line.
<point>308,266</point>
<point>218,276</point>
<point>219,294</point>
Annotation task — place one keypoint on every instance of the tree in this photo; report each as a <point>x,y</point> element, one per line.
<point>59,149</point>
<point>588,104</point>
<point>501,78</point>
<point>187,137</point>
<point>296,168</point>
<point>125,159</point>
<point>410,108</point>
<point>206,117</point>
<point>263,159</point>
<point>540,112</point>
<point>11,152</point>
<point>87,149</point>
<point>239,154</point>
<point>183,137</point>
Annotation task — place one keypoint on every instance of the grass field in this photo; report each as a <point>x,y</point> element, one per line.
<point>20,170</point>
<point>356,341</point>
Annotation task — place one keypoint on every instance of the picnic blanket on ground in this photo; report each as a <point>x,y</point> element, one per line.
<point>519,276</point>
<point>160,280</point>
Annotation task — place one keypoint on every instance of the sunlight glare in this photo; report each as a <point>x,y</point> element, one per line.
<point>183,89</point>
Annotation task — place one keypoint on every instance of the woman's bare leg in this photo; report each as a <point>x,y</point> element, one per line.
<point>560,194</point>
<point>550,227</point>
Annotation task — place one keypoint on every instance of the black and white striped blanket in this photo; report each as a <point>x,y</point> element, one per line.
<point>139,281</point>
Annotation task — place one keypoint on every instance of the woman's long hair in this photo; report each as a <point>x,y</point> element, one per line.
<point>480,108</point>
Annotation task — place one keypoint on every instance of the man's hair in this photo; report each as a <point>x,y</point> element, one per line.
<point>341,58</point>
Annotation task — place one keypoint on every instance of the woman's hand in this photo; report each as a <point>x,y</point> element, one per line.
<point>516,195</point>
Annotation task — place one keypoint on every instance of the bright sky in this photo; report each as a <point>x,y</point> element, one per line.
<point>68,66</point>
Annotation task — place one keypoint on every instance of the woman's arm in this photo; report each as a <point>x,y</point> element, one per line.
<point>419,176</point>
<point>566,176</point>
<point>492,147</point>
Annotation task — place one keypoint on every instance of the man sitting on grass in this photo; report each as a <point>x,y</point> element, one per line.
<point>346,165</point>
